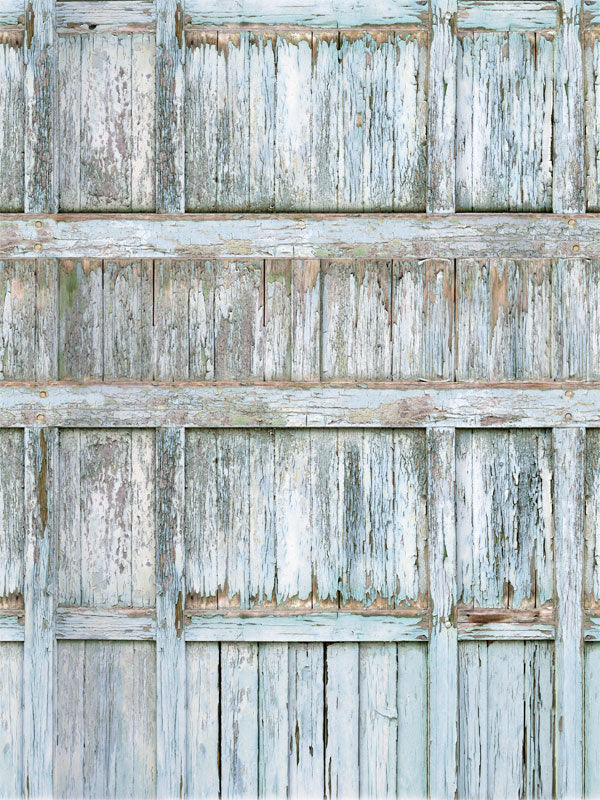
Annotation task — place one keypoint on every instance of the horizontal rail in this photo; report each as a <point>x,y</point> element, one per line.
<point>110,405</point>
<point>138,624</point>
<point>241,236</point>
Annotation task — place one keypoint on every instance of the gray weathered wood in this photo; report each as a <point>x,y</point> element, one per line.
<point>239,729</point>
<point>41,476</point>
<point>507,15</point>
<point>170,596</point>
<point>202,755</point>
<point>11,720</point>
<point>11,120</point>
<point>341,720</point>
<point>569,449</point>
<point>273,720</point>
<point>80,339</point>
<point>41,97</point>
<point>441,163</point>
<point>12,521</point>
<point>592,707</point>
<point>329,236</point>
<point>300,406</point>
<point>568,190</point>
<point>412,723</point>
<point>443,645</point>
<point>85,16</point>
<point>306,702</point>
<point>170,144</point>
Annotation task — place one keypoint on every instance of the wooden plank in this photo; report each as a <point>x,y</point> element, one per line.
<point>317,627</point>
<point>70,742</point>
<point>330,14</point>
<point>539,719</point>
<point>329,236</point>
<point>591,66</point>
<point>11,720</point>
<point>239,316</point>
<point>568,542</point>
<point>423,346</point>
<point>273,722</point>
<point>201,551</point>
<point>443,645</point>
<point>262,517</point>
<point>473,720</point>
<point>202,755</point>
<point>170,594</point>
<point>41,146</point>
<point>11,626</point>
<point>40,463</point>
<point>574,313</point>
<point>305,711</point>
<point>239,711</point>
<point>378,723</point>
<point>170,89</point>
<point>591,586</point>
<point>300,406</point>
<point>568,190</point>
<point>11,120</point>
<point>12,12</point>
<point>441,163</point>
<point>83,16</point>
<point>261,120</point>
<point>80,338</point>
<point>12,542</point>
<point>114,624</point>
<point>506,15</point>
<point>412,721</point>
<point>592,707</point>
<point>504,518</point>
<point>325,122</point>
<point>143,118</point>
<point>342,688</point>
<point>69,122</point>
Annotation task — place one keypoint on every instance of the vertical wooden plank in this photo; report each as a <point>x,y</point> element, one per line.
<point>11,719</point>
<point>306,320</point>
<point>201,121</point>
<point>170,93</point>
<point>143,117</point>
<point>263,561</point>
<point>568,189</point>
<point>127,319</point>
<point>41,56</point>
<point>262,122</point>
<point>11,121</point>
<point>170,594</point>
<point>342,687</point>
<point>305,732</point>
<point>80,339</point>
<point>69,121</point>
<point>410,122</point>
<point>239,316</point>
<point>441,163</point>
<point>202,739</point>
<point>539,718</point>
<point>46,328</point>
<point>239,712</point>
<point>201,543</point>
<point>351,131</point>
<point>356,320</point>
<point>443,643</point>
<point>591,56</point>
<point>568,542</point>
<point>378,726</point>
<point>412,721</point>
<point>592,709</point>
<point>70,742</point>
<point>273,721</point>
<point>105,171</point>
<point>293,121</point>
<point>570,318</point>
<point>41,454</point>
<point>278,331</point>
<point>473,720</point>
<point>325,121</point>
<point>12,541</point>
<point>326,517</point>
<point>69,517</point>
<point>233,131</point>
<point>143,522</point>
<point>379,118</point>
<point>423,320</point>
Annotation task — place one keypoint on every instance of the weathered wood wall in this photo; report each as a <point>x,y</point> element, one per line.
<point>215,579</point>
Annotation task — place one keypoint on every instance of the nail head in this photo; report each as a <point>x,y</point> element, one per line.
<point>37,247</point>
<point>43,394</point>
<point>575,248</point>
<point>40,417</point>
<point>38,224</point>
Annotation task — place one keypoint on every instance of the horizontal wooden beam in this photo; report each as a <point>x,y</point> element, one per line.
<point>507,15</point>
<point>300,235</point>
<point>270,625</point>
<point>272,405</point>
<point>92,16</point>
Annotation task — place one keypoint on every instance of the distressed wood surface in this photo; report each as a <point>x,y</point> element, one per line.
<point>592,701</point>
<point>85,16</point>
<point>299,406</point>
<point>39,664</point>
<point>12,517</point>
<point>569,451</point>
<point>443,644</point>
<point>505,15</point>
<point>513,236</point>
<point>170,61</point>
<point>170,594</point>
<point>41,98</point>
<point>202,736</point>
<point>11,720</point>
<point>12,111</point>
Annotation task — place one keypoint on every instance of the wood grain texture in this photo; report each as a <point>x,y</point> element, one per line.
<point>11,121</point>
<point>170,594</point>
<point>441,155</point>
<point>443,645</point>
<point>202,736</point>
<point>12,519</point>
<point>592,701</point>
<point>170,89</point>
<point>505,95</point>
<point>342,686</point>
<point>568,541</point>
<point>591,67</point>
<point>273,720</point>
<point>41,476</point>
<point>11,720</point>
<point>80,323</point>
<point>40,137</point>
<point>504,15</point>
<point>305,710</point>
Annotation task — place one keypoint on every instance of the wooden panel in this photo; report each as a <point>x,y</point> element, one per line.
<point>106,117</point>
<point>506,720</point>
<point>273,720</point>
<point>106,720</point>
<point>575,312</point>
<point>592,708</point>
<point>342,702</point>
<point>504,518</point>
<point>11,720</point>
<point>12,520</point>
<point>202,663</point>
<point>412,722</point>
<point>504,122</point>
<point>239,729</point>
<point>305,732</point>
<point>591,586</point>
<point>321,122</point>
<point>80,319</point>
<point>106,538</point>
<point>11,121</point>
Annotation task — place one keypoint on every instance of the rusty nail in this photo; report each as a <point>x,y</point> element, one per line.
<point>575,248</point>
<point>569,393</point>
<point>40,417</point>
<point>43,393</point>
<point>572,223</point>
<point>37,247</point>
<point>38,224</point>
<point>448,623</point>
<point>568,416</point>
